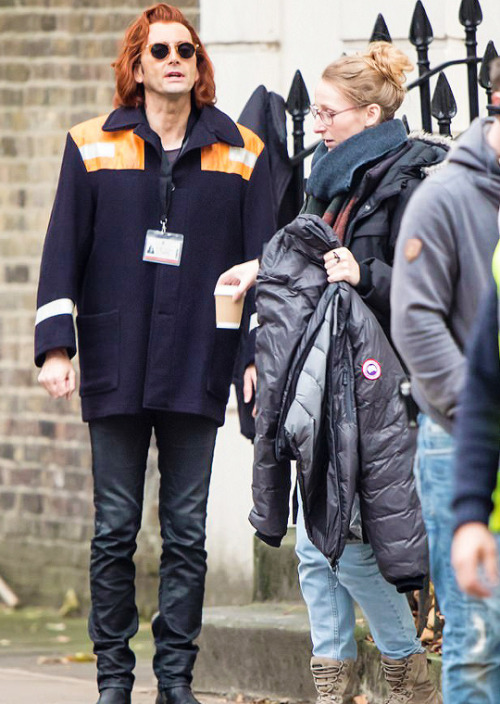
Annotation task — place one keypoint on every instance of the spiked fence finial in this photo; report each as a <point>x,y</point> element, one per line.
<point>421,33</point>
<point>443,101</point>
<point>470,13</point>
<point>297,103</point>
<point>484,73</point>
<point>443,105</point>
<point>380,31</point>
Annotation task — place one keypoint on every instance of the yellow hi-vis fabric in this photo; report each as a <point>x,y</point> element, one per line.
<point>495,515</point>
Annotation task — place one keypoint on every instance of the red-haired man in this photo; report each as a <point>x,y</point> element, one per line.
<point>154,201</point>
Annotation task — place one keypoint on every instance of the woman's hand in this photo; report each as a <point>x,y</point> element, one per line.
<point>340,265</point>
<point>242,275</point>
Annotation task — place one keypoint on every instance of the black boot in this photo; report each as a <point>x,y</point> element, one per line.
<point>114,695</point>
<point>181,694</point>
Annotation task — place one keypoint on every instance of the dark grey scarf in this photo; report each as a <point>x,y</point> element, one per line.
<point>333,171</point>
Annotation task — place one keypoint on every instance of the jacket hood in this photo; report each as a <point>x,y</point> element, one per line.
<point>474,152</point>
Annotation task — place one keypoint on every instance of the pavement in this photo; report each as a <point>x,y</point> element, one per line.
<point>22,681</point>
<point>45,659</point>
<point>25,680</point>
<point>255,654</point>
<point>25,684</point>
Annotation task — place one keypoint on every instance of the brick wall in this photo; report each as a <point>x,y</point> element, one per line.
<point>55,58</point>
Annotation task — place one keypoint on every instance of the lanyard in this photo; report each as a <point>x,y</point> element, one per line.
<point>166,184</point>
<point>166,188</point>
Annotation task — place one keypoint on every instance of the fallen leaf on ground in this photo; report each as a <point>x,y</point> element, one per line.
<point>82,657</point>
<point>62,639</point>
<point>427,635</point>
<point>70,605</point>
<point>44,660</point>
<point>55,626</point>
<point>437,646</point>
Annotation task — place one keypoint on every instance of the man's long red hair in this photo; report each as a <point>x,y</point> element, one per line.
<point>129,93</point>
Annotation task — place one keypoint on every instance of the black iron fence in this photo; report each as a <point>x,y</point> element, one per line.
<point>441,106</point>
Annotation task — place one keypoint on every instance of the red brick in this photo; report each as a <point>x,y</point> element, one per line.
<point>54,73</point>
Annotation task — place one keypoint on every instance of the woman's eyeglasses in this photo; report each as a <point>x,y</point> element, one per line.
<point>160,50</point>
<point>327,116</point>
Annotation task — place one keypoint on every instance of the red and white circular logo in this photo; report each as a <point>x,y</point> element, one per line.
<point>371,369</point>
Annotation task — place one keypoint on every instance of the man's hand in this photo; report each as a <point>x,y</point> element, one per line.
<point>242,275</point>
<point>57,375</point>
<point>340,265</point>
<point>474,547</point>
<point>250,385</point>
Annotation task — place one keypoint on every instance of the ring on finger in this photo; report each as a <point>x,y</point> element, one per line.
<point>336,256</point>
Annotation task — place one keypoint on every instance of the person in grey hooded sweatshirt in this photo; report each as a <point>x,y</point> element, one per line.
<point>443,254</point>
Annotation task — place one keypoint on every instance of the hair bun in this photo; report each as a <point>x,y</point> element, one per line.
<point>390,62</point>
<point>376,75</point>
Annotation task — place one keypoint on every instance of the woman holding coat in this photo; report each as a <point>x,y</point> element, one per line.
<point>362,175</point>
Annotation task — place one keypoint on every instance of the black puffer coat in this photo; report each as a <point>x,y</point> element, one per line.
<point>382,191</point>
<point>316,404</point>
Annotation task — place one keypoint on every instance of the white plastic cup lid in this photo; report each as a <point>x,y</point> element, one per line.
<point>225,290</point>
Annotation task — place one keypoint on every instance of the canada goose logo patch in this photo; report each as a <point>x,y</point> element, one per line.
<point>371,369</point>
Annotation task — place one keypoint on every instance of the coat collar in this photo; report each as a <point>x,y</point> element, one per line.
<point>211,126</point>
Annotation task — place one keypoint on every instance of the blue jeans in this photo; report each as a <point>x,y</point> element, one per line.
<point>330,597</point>
<point>471,639</point>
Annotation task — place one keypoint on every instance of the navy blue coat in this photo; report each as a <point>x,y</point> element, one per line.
<point>146,332</point>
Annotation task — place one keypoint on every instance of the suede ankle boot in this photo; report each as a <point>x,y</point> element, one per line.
<point>409,682</point>
<point>331,679</point>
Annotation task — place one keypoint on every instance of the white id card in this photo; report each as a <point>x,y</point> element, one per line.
<point>163,247</point>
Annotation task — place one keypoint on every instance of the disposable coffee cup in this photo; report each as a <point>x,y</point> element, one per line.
<point>227,312</point>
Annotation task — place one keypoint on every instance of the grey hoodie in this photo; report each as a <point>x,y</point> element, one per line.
<point>441,265</point>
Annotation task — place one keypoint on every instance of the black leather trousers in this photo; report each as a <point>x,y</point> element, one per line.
<point>120,447</point>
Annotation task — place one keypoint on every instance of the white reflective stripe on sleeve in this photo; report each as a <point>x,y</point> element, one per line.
<point>97,149</point>
<point>242,156</point>
<point>254,322</point>
<point>62,306</point>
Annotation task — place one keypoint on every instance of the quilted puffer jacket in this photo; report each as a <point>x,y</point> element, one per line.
<point>329,396</point>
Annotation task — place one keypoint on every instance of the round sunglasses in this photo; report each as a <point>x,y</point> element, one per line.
<point>160,50</point>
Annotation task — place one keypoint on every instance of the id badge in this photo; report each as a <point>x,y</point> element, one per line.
<point>163,247</point>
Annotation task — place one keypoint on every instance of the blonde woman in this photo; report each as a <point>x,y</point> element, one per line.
<point>363,174</point>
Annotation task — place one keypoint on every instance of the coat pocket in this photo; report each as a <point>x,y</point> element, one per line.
<point>222,362</point>
<point>99,350</point>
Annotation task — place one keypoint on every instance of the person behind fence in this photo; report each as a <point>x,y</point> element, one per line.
<point>476,503</point>
<point>448,235</point>
<point>362,176</point>
<point>154,201</point>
